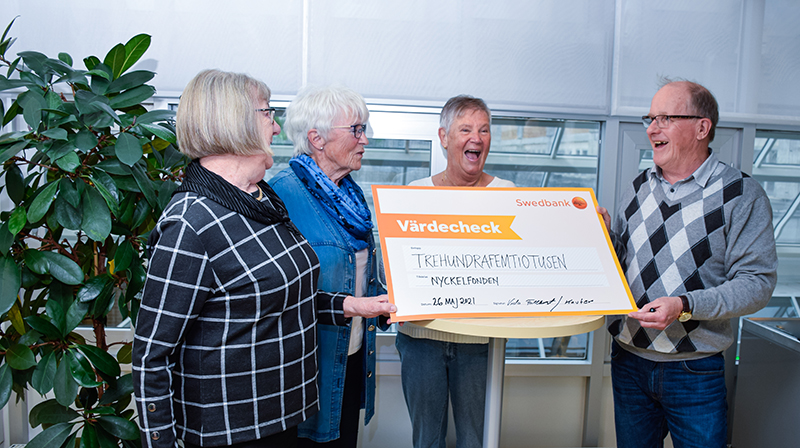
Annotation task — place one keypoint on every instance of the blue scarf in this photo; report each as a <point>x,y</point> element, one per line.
<point>344,203</point>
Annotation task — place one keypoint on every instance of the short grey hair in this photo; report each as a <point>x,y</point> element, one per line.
<point>701,101</point>
<point>217,115</point>
<point>457,106</point>
<point>317,108</point>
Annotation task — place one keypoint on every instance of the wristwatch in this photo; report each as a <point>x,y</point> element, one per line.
<point>686,313</point>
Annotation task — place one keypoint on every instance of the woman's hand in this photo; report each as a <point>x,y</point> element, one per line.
<point>368,306</point>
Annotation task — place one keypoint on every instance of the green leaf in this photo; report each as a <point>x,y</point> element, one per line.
<point>121,389</point>
<point>130,80</point>
<point>132,97</point>
<point>67,216</point>
<point>64,269</point>
<point>12,150</point>
<point>12,112</point>
<point>105,439</point>
<point>51,437</point>
<point>134,49</point>
<point>32,105</point>
<point>101,360</point>
<point>42,202</point>
<point>69,162</point>
<point>65,58</point>
<point>114,166</point>
<point>81,369</point>
<point>55,134</point>
<point>107,188</point>
<point>119,427</point>
<point>9,287</point>
<point>64,386</point>
<point>89,437</point>
<point>95,287</point>
<point>145,185</point>
<point>75,314</point>
<point>123,257</point>
<point>125,354</point>
<point>91,62</point>
<point>20,357</point>
<point>85,140</point>
<point>6,384</point>
<point>42,378</point>
<point>155,116</point>
<point>36,261</point>
<point>55,311</point>
<point>15,184</point>
<point>15,316</point>
<point>115,60</point>
<point>6,240</point>
<point>43,326</point>
<point>50,412</point>
<point>59,149</point>
<point>17,220</point>
<point>68,191</point>
<point>128,149</point>
<point>160,131</point>
<point>96,216</point>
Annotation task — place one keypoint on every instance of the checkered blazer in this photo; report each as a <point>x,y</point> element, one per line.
<point>225,343</point>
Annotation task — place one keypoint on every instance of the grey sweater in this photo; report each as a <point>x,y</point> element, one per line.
<point>715,246</point>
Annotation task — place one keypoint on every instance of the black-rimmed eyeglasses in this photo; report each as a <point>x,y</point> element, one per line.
<point>269,112</point>
<point>663,121</point>
<point>357,129</point>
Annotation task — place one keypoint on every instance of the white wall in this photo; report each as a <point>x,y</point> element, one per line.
<point>575,56</point>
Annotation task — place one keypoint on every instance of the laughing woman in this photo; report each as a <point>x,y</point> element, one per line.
<point>327,126</point>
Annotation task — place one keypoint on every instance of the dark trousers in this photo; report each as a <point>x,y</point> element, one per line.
<point>351,407</point>
<point>285,439</point>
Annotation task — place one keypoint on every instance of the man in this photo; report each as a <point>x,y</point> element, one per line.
<point>695,240</point>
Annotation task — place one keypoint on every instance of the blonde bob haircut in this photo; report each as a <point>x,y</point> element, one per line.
<point>318,108</point>
<point>217,115</point>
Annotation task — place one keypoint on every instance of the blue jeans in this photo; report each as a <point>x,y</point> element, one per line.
<point>432,370</point>
<point>684,398</point>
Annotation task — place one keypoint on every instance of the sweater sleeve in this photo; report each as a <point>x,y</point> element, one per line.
<point>751,263</point>
<point>178,279</point>
<point>330,308</point>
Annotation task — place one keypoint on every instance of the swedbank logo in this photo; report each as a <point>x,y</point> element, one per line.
<point>448,226</point>
<point>577,202</point>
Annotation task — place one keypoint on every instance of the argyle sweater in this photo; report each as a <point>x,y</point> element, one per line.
<point>715,246</point>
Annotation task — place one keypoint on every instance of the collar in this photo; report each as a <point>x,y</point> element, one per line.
<point>700,176</point>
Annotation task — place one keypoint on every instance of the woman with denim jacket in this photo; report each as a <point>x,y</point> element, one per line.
<point>327,126</point>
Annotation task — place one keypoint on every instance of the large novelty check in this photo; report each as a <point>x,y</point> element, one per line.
<point>489,252</point>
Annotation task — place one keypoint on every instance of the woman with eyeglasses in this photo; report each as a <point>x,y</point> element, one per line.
<point>327,126</point>
<point>225,340</point>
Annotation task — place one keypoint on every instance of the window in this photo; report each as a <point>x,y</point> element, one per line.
<point>776,166</point>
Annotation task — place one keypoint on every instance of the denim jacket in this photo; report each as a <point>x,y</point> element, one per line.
<point>337,273</point>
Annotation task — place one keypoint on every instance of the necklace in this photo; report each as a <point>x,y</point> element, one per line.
<point>260,193</point>
<point>444,179</point>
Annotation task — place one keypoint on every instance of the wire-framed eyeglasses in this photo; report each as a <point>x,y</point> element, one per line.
<point>357,129</point>
<point>269,112</point>
<point>663,121</point>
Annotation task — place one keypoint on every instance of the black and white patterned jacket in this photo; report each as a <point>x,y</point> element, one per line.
<point>225,343</point>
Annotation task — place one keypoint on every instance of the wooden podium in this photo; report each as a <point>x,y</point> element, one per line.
<point>498,330</point>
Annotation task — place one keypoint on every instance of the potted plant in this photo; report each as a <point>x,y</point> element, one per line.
<point>88,178</point>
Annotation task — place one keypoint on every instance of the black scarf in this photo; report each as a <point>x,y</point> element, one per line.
<point>211,185</point>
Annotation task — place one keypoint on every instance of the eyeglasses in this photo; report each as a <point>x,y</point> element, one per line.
<point>663,121</point>
<point>357,129</point>
<point>269,112</point>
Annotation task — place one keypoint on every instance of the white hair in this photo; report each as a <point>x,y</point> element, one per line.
<point>318,108</point>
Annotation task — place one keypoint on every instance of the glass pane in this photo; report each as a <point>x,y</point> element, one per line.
<point>776,166</point>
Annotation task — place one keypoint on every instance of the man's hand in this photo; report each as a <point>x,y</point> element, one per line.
<point>606,217</point>
<point>368,306</point>
<point>665,310</point>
